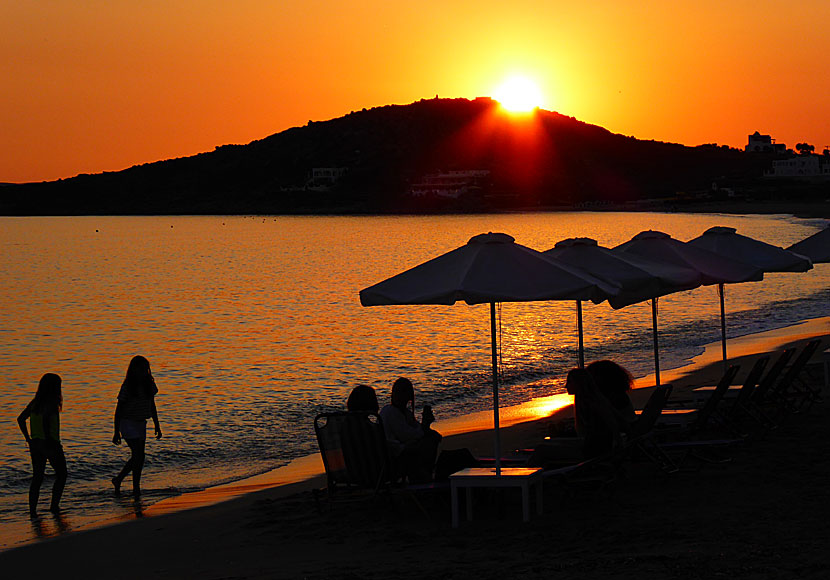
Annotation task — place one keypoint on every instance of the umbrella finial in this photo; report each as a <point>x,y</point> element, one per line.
<point>492,238</point>
<point>570,242</point>
<point>722,230</point>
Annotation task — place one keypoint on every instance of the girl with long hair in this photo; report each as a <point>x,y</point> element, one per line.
<point>44,440</point>
<point>136,404</point>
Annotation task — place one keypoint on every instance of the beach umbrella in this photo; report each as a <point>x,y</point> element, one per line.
<point>730,244</point>
<point>713,269</point>
<point>815,247</point>
<point>639,278</point>
<point>726,242</point>
<point>489,268</point>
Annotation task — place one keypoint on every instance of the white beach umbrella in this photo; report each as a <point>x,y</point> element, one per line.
<point>490,268</point>
<point>815,247</point>
<point>713,269</point>
<point>726,242</point>
<point>639,278</point>
<point>730,244</point>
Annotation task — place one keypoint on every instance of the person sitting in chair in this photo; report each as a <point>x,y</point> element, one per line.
<point>412,445</point>
<point>614,382</point>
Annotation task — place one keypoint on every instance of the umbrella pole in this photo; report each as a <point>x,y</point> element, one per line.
<point>722,325</point>
<point>579,326</point>
<point>654,333</point>
<point>494,348</point>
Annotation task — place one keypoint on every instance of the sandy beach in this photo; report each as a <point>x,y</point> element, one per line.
<point>759,516</point>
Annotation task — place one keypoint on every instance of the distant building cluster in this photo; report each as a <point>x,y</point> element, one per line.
<point>451,184</point>
<point>803,166</point>
<point>324,178</point>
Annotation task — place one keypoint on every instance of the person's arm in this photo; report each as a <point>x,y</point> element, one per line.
<point>116,435</point>
<point>155,417</point>
<point>21,422</point>
<point>398,428</point>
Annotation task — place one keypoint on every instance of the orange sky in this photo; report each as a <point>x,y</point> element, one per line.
<point>100,85</point>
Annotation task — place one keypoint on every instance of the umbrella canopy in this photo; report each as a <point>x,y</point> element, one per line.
<point>713,269</point>
<point>639,278</point>
<point>730,244</point>
<point>489,268</point>
<point>815,247</point>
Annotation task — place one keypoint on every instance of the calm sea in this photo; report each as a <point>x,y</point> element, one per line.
<point>252,325</point>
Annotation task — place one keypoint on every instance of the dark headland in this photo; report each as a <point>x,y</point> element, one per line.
<point>438,155</point>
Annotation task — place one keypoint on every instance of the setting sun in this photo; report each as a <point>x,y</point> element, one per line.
<point>518,94</point>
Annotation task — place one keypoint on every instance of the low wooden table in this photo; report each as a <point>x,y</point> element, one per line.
<point>521,477</point>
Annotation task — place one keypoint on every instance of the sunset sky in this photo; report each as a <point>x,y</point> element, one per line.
<point>99,85</point>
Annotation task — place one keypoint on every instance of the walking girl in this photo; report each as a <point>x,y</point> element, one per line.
<point>136,404</point>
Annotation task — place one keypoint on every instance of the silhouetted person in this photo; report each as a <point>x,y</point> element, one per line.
<point>363,398</point>
<point>413,444</point>
<point>594,418</point>
<point>44,441</point>
<point>614,382</point>
<point>136,404</point>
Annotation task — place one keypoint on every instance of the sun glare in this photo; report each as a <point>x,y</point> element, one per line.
<point>518,94</point>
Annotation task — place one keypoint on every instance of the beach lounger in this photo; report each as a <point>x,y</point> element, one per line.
<point>704,432</point>
<point>792,391</point>
<point>740,408</point>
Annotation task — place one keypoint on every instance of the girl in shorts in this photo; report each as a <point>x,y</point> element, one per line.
<point>44,441</point>
<point>136,404</point>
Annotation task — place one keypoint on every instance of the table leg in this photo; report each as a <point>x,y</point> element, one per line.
<point>525,501</point>
<point>454,499</point>
<point>539,497</point>
<point>469,494</point>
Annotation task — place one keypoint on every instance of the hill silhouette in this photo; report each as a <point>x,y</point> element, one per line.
<point>543,159</point>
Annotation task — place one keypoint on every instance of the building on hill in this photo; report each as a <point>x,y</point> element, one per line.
<point>451,184</point>
<point>324,178</point>
<point>764,144</point>
<point>801,167</point>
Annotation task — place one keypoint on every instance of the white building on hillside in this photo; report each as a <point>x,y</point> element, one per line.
<point>764,144</point>
<point>803,166</point>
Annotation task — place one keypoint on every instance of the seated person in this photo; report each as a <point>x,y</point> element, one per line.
<point>594,418</point>
<point>363,398</point>
<point>362,438</point>
<point>614,382</point>
<point>594,422</point>
<point>412,445</point>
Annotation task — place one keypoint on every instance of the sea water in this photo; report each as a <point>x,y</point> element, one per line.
<point>253,325</point>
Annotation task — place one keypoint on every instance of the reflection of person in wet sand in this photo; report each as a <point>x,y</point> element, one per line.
<point>44,441</point>
<point>136,404</point>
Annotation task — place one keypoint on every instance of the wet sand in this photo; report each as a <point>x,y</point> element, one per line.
<point>760,516</point>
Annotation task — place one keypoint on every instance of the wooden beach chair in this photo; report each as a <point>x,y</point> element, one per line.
<point>704,434</point>
<point>792,392</point>
<point>354,452</point>
<point>740,409</point>
<point>357,462</point>
<point>598,473</point>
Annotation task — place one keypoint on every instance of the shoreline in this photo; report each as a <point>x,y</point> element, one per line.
<point>699,523</point>
<point>519,423</point>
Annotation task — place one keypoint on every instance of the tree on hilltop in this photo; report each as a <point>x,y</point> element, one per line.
<point>805,148</point>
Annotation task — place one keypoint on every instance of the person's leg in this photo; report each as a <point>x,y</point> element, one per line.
<point>58,462</point>
<point>38,468</point>
<point>128,467</point>
<point>137,458</point>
